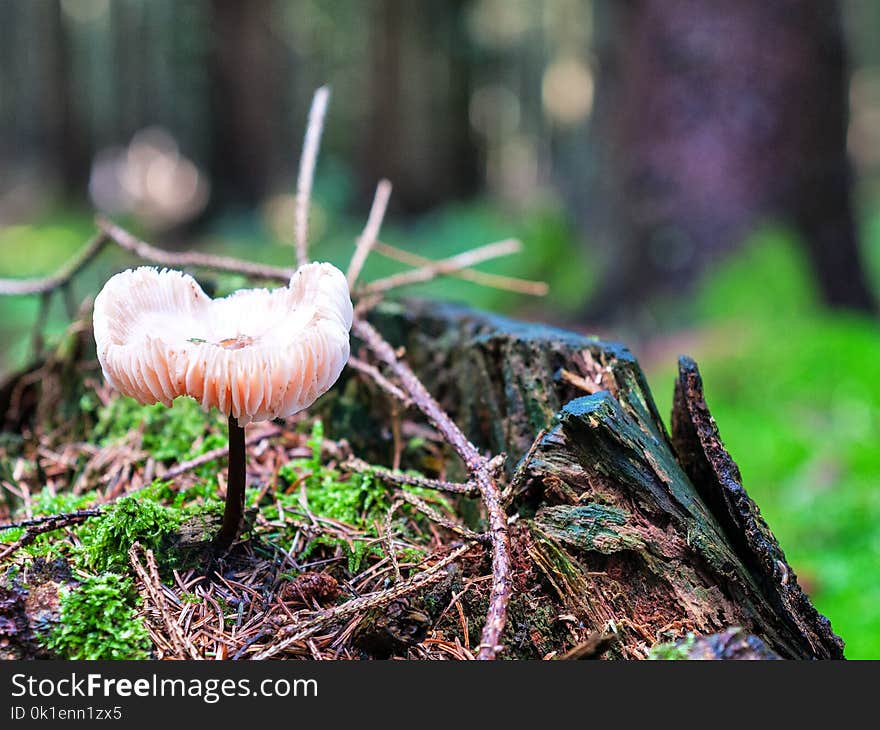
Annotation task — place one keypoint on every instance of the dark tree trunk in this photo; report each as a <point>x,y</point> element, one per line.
<point>245,94</point>
<point>418,134</point>
<point>722,115</point>
<point>650,534</point>
<point>68,139</point>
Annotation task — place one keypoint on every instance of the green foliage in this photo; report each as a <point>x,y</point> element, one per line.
<point>97,621</point>
<point>168,433</point>
<point>794,391</point>
<point>358,500</point>
<point>673,650</point>
<point>46,503</point>
<point>107,539</point>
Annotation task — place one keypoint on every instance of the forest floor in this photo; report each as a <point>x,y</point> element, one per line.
<point>793,390</point>
<point>335,561</point>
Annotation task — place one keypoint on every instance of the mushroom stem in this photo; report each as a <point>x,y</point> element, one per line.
<point>233,513</point>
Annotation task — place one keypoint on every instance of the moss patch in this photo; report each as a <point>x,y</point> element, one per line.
<point>138,518</point>
<point>672,650</point>
<point>98,621</point>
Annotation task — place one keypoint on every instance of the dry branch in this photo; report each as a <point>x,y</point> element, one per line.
<point>398,479</point>
<point>36,527</point>
<point>311,145</point>
<point>373,373</point>
<point>435,516</point>
<point>495,281</point>
<point>367,239</point>
<point>154,595</point>
<point>482,473</point>
<point>218,453</point>
<point>151,254</point>
<point>305,629</point>
<point>445,266</point>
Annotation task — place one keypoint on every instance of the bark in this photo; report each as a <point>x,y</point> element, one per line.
<point>721,116</point>
<point>647,534</point>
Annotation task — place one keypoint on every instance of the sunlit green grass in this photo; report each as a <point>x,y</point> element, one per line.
<point>796,394</point>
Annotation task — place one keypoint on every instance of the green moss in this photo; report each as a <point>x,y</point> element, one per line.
<point>168,433</point>
<point>47,503</point>
<point>673,650</point>
<point>97,621</point>
<point>107,539</point>
<point>43,504</point>
<point>357,500</point>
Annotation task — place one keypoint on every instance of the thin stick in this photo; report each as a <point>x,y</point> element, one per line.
<point>311,145</point>
<point>445,266</point>
<point>377,377</point>
<point>145,251</point>
<point>37,528</point>
<point>519,475</point>
<point>67,517</point>
<point>301,631</point>
<point>400,480</point>
<point>432,514</point>
<point>368,238</point>
<point>233,512</point>
<point>478,466</point>
<point>495,281</point>
<point>152,587</point>
<point>389,537</point>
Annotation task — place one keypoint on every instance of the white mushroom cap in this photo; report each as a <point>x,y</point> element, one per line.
<point>256,354</point>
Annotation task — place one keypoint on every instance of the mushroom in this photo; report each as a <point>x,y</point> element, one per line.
<point>257,354</point>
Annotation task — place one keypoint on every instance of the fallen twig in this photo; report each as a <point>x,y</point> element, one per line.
<point>368,238</point>
<point>151,588</point>
<point>445,266</point>
<point>522,469</point>
<point>495,281</point>
<point>151,254</point>
<point>307,628</point>
<point>311,145</point>
<point>40,526</point>
<point>78,515</point>
<point>61,277</point>
<point>373,373</point>
<point>218,453</point>
<point>436,516</point>
<point>482,472</point>
<point>399,479</point>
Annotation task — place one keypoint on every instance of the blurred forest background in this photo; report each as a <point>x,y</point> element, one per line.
<point>689,177</point>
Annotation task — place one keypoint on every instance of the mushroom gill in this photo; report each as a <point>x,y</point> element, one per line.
<point>256,354</point>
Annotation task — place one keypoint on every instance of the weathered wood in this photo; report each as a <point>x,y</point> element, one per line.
<point>717,480</point>
<point>649,536</point>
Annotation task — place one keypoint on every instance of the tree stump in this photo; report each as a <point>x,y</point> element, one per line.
<point>640,532</point>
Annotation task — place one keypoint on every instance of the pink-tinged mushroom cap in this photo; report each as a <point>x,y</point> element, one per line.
<point>256,354</point>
